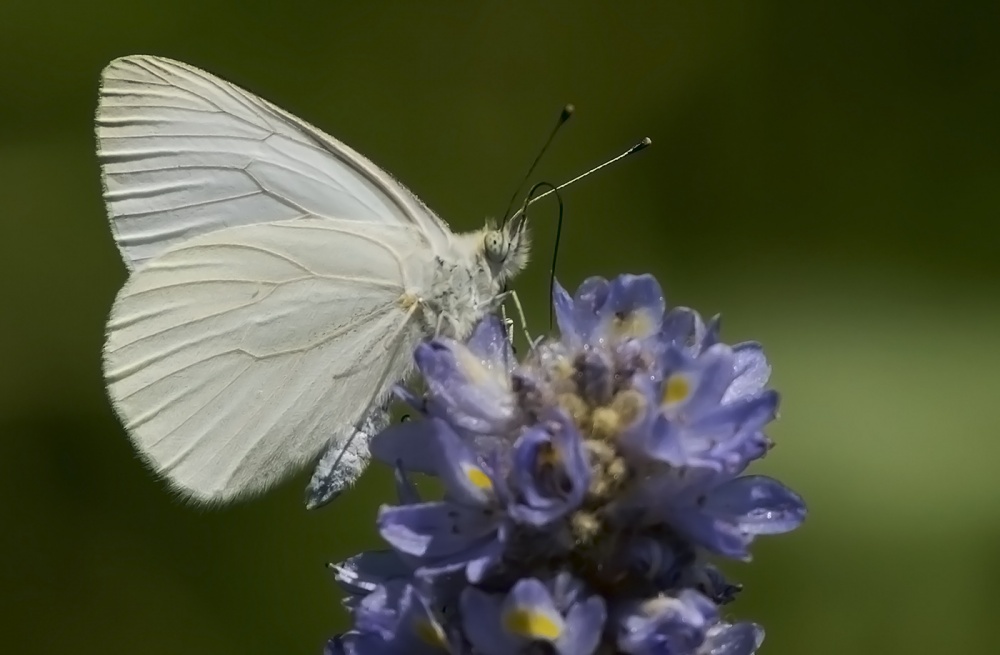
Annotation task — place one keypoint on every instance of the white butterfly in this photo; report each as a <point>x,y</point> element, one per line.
<point>279,282</point>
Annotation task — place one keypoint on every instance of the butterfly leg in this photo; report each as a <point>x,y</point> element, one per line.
<point>520,314</point>
<point>344,461</point>
<point>440,322</point>
<point>508,325</point>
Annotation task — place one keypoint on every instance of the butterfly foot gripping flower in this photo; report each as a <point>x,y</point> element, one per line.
<point>586,487</point>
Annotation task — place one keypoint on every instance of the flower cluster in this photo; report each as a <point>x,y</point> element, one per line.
<point>585,488</point>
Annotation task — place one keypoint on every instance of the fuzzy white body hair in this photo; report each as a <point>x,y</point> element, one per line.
<point>467,284</point>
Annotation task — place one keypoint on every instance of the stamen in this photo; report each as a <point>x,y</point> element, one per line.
<point>577,409</point>
<point>585,525</point>
<point>629,404</point>
<point>606,423</point>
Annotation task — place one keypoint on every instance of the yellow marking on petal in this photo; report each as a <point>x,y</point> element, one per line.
<point>634,325</point>
<point>431,633</point>
<point>676,390</point>
<point>531,624</point>
<point>478,478</point>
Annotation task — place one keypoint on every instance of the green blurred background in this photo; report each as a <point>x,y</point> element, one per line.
<point>828,177</point>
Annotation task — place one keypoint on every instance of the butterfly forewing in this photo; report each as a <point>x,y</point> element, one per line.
<point>184,153</point>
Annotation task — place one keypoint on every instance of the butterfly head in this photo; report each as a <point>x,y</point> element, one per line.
<point>506,248</point>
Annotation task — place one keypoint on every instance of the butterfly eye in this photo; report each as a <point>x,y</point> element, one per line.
<point>496,246</point>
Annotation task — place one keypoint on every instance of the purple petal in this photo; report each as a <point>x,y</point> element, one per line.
<point>484,559</point>
<point>658,496</point>
<point>757,504</point>
<point>584,625</point>
<point>433,530</point>
<point>562,302</point>
<point>590,296</point>
<point>472,395</point>
<point>747,414</point>
<point>363,573</point>
<point>466,480</point>
<point>406,491</point>
<point>409,444</point>
<point>634,307</point>
<point>470,564</point>
<point>419,631</point>
<point>550,473</point>
<point>483,625</point>
<point>578,317</point>
<point>665,624</point>
<point>678,327</point>
<point>694,386</point>
<point>490,344</point>
<point>565,590</point>
<point>716,374</point>
<point>736,639</point>
<point>710,532</point>
<point>685,446</point>
<point>751,371</point>
<point>529,613</point>
<point>664,442</point>
<point>377,612</point>
<point>734,455</point>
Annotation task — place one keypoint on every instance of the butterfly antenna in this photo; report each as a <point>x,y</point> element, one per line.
<point>564,116</point>
<point>642,145</point>
<point>555,249</point>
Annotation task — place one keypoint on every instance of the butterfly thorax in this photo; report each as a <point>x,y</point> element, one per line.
<point>467,284</point>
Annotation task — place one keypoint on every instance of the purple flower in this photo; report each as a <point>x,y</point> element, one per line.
<point>665,624</point>
<point>708,409</point>
<point>628,307</point>
<point>506,624</point>
<point>463,529</point>
<point>549,473</point>
<point>362,574</point>
<point>578,316</point>
<point>393,620</point>
<point>719,514</point>
<point>590,478</point>
<point>470,384</point>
